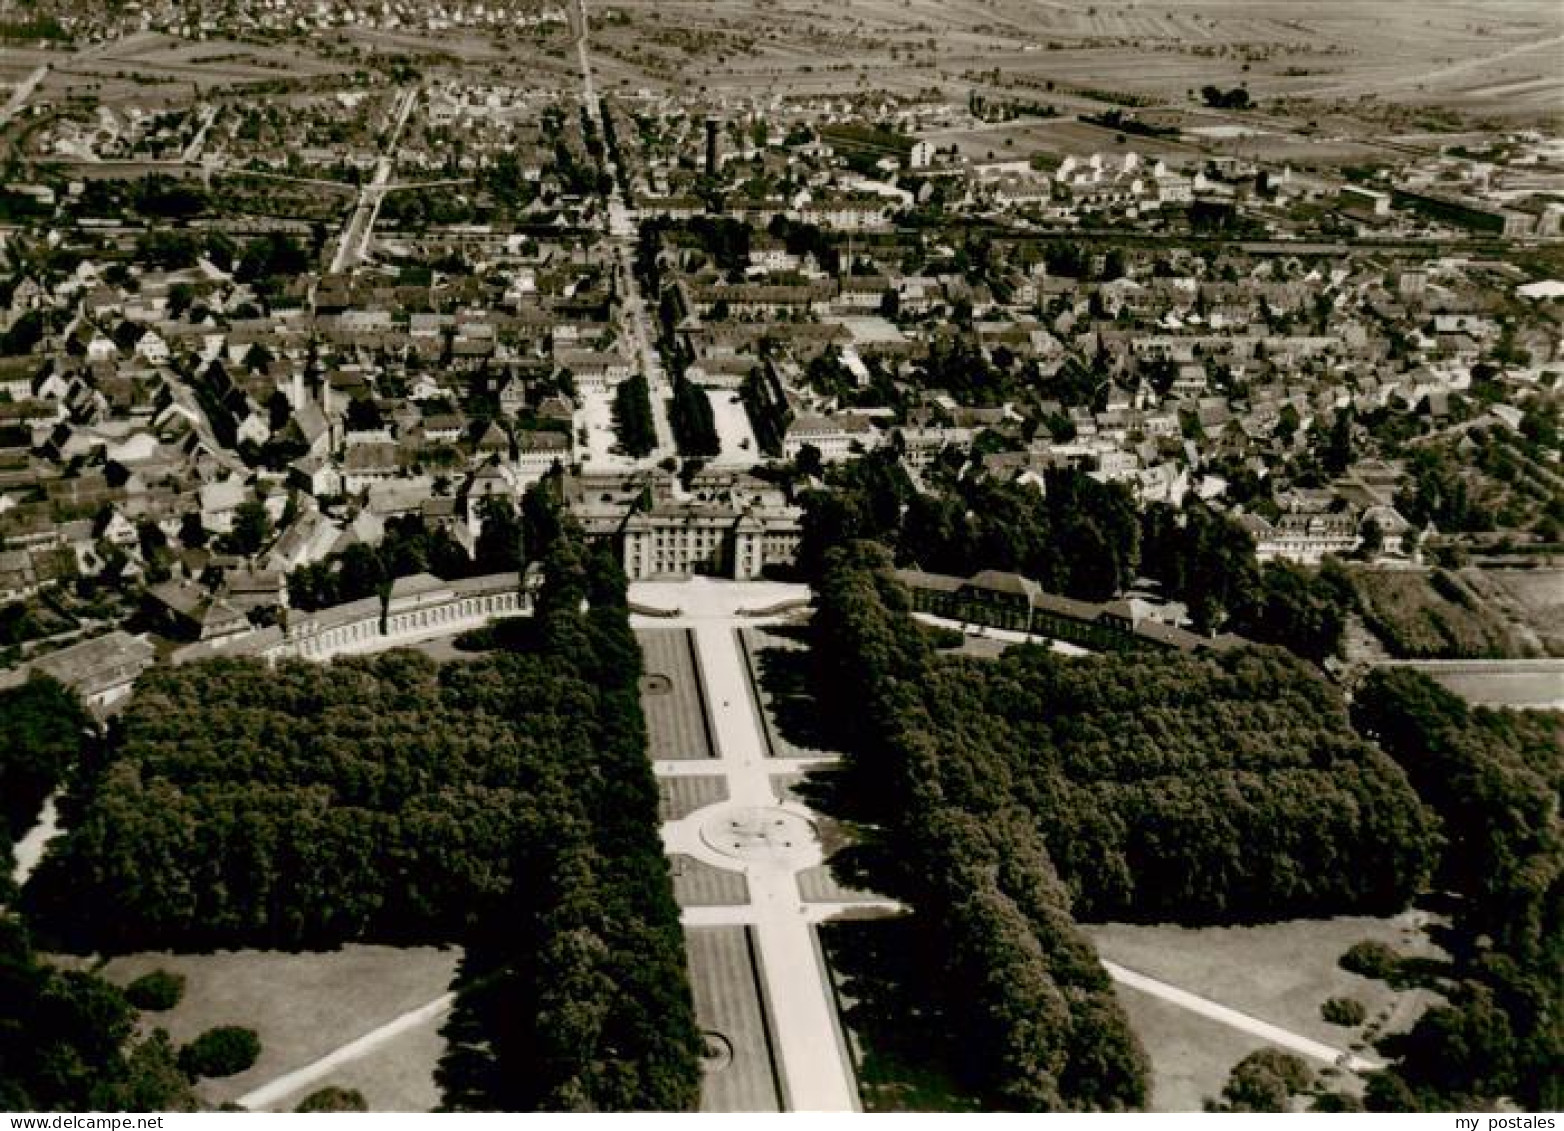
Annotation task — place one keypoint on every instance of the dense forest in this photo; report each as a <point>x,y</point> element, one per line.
<point>503,803</point>
<point>577,996</point>
<point>1032,1011</point>
<point>1084,539</point>
<point>1156,787</point>
<point>1494,779</point>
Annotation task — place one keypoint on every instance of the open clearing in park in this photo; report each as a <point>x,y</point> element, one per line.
<point>1279,972</point>
<point>306,1005</point>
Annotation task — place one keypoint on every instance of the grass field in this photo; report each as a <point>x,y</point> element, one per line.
<point>304,1006</point>
<point>1190,1055</point>
<point>726,986</point>
<point>699,884</point>
<point>1532,598</point>
<point>897,1052</point>
<point>670,696</point>
<point>678,797</point>
<point>1435,615</point>
<point>1280,972</point>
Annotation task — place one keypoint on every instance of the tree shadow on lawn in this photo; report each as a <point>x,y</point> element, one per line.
<point>889,998</point>
<point>786,676</point>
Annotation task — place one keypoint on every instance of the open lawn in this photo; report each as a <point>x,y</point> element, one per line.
<point>304,1006</point>
<point>699,884</point>
<point>671,697</point>
<point>678,797</point>
<point>1279,972</point>
<point>394,1077</point>
<point>725,981</point>
<point>1190,1055</point>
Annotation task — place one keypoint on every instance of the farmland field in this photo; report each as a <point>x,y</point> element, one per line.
<point>1496,60</point>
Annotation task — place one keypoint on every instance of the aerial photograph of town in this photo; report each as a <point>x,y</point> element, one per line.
<point>750,556</point>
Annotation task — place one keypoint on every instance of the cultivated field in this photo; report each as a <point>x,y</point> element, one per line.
<point>151,68</point>
<point>671,697</point>
<point>304,1006</point>
<point>1498,59</point>
<point>728,1007</point>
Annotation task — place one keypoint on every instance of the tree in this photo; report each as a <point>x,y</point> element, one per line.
<point>156,992</point>
<point>252,528</point>
<point>192,534</point>
<point>633,417</point>
<point>694,423</point>
<point>1266,1080</point>
<point>43,731</point>
<point>1344,1011</point>
<point>500,544</point>
<point>333,1099</point>
<point>225,1050</point>
<point>1373,540</point>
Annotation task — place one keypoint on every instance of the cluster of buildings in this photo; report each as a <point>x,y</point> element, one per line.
<point>202,431</point>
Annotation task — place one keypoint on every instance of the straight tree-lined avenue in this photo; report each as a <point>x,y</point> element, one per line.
<point>770,840</point>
